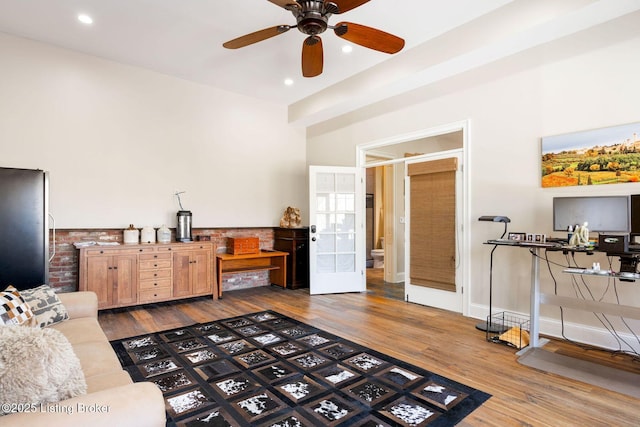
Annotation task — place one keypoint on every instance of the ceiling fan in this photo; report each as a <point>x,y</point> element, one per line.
<point>312,18</point>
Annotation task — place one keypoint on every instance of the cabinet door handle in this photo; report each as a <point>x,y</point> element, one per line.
<point>155,265</point>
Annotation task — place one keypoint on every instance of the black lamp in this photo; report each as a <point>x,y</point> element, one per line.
<point>490,218</point>
<point>487,325</point>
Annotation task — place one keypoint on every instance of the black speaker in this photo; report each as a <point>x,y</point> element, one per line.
<point>613,243</point>
<point>635,214</point>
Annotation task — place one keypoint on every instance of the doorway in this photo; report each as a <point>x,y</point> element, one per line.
<point>382,275</point>
<point>394,154</point>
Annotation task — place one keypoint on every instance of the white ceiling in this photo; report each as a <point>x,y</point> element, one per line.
<point>183,38</point>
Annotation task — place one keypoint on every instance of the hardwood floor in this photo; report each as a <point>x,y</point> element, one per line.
<point>376,285</point>
<point>440,341</point>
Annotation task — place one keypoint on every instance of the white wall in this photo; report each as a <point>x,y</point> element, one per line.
<point>510,108</point>
<point>119,141</point>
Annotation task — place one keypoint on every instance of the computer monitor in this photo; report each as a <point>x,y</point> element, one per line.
<point>604,214</point>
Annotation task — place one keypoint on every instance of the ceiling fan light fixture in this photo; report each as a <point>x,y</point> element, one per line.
<point>312,26</point>
<point>288,82</point>
<point>347,48</point>
<point>312,19</point>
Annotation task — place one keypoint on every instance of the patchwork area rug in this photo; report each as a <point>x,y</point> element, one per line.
<point>266,369</point>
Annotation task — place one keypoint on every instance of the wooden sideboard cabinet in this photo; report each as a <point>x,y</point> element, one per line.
<point>126,275</point>
<point>294,241</point>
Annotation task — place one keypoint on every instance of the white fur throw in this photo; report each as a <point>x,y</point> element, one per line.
<point>37,366</point>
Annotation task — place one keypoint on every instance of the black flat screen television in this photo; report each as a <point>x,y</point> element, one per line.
<point>604,214</point>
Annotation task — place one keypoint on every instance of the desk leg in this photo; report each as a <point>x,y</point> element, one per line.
<point>219,276</point>
<point>279,276</point>
<point>534,321</point>
<point>535,299</point>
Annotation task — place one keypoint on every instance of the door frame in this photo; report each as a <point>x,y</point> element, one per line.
<point>464,226</point>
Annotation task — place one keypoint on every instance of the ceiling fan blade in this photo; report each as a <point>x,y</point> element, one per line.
<point>257,36</point>
<point>346,5</point>
<point>312,56</point>
<point>369,37</point>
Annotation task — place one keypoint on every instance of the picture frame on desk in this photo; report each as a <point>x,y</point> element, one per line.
<point>517,236</point>
<point>533,237</point>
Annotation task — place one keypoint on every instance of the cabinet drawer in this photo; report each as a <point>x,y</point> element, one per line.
<point>151,257</point>
<point>118,251</point>
<point>155,264</point>
<point>155,274</point>
<point>150,295</point>
<point>155,284</point>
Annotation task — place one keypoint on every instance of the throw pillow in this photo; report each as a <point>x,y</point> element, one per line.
<point>37,366</point>
<point>14,310</point>
<point>46,305</point>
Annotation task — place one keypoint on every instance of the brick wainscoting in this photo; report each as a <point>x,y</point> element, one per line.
<point>63,269</point>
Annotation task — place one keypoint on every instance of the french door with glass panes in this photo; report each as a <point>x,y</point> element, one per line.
<point>336,246</point>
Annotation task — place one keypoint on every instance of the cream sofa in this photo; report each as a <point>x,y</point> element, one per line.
<point>112,398</point>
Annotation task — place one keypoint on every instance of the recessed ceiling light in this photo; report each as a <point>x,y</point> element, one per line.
<point>347,48</point>
<point>85,19</point>
<point>288,82</point>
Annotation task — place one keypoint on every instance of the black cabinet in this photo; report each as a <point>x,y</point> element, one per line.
<point>294,241</point>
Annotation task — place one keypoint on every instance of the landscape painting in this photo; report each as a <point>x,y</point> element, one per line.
<point>594,157</point>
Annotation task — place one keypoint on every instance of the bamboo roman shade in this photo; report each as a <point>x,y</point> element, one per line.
<point>433,224</point>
